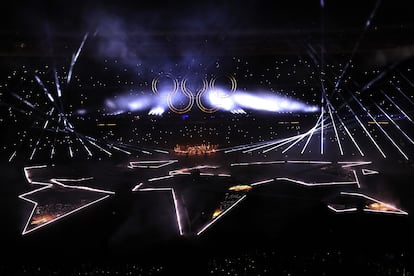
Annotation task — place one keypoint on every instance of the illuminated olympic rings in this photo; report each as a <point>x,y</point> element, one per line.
<point>191,95</point>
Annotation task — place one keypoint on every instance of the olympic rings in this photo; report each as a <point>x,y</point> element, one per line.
<point>187,93</point>
<point>155,80</point>
<point>211,87</point>
<point>191,95</point>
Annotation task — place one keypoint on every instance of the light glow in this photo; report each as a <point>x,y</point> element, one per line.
<point>380,203</point>
<point>240,188</point>
<point>157,111</point>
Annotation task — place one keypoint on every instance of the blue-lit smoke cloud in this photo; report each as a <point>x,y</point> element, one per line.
<point>257,101</point>
<point>218,98</point>
<point>154,42</point>
<point>180,44</point>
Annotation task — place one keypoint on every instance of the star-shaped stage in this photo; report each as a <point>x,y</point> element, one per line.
<point>203,189</point>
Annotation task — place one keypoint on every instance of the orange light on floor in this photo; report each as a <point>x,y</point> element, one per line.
<point>240,188</point>
<point>380,207</point>
<point>216,213</point>
<point>41,219</point>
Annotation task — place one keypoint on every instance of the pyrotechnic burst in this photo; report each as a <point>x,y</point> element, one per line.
<point>51,128</point>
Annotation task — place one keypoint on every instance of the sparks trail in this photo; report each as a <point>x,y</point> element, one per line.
<point>58,89</point>
<point>56,120</point>
<point>75,57</point>
<point>29,104</point>
<point>46,120</point>
<point>45,90</point>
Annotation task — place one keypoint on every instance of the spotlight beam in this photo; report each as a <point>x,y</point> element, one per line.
<point>394,123</point>
<point>405,78</point>
<point>349,134</point>
<point>380,127</point>
<point>243,147</point>
<point>367,132</point>
<point>310,135</point>
<point>322,74</point>
<point>364,128</point>
<point>295,142</point>
<point>99,147</point>
<point>41,134</point>
<point>336,131</point>
<point>119,149</point>
<point>240,147</point>
<point>322,127</point>
<point>284,143</point>
<point>399,108</point>
<point>270,143</point>
<point>286,140</point>
<point>84,145</point>
<point>376,79</point>
<point>402,92</point>
<point>356,46</point>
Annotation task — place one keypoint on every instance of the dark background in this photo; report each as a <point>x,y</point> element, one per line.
<point>50,30</point>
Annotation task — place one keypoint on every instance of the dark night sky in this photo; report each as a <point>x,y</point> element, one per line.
<point>282,24</point>
<point>200,15</point>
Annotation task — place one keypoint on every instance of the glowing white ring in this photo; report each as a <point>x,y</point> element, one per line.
<point>211,87</point>
<point>207,86</point>
<point>187,93</point>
